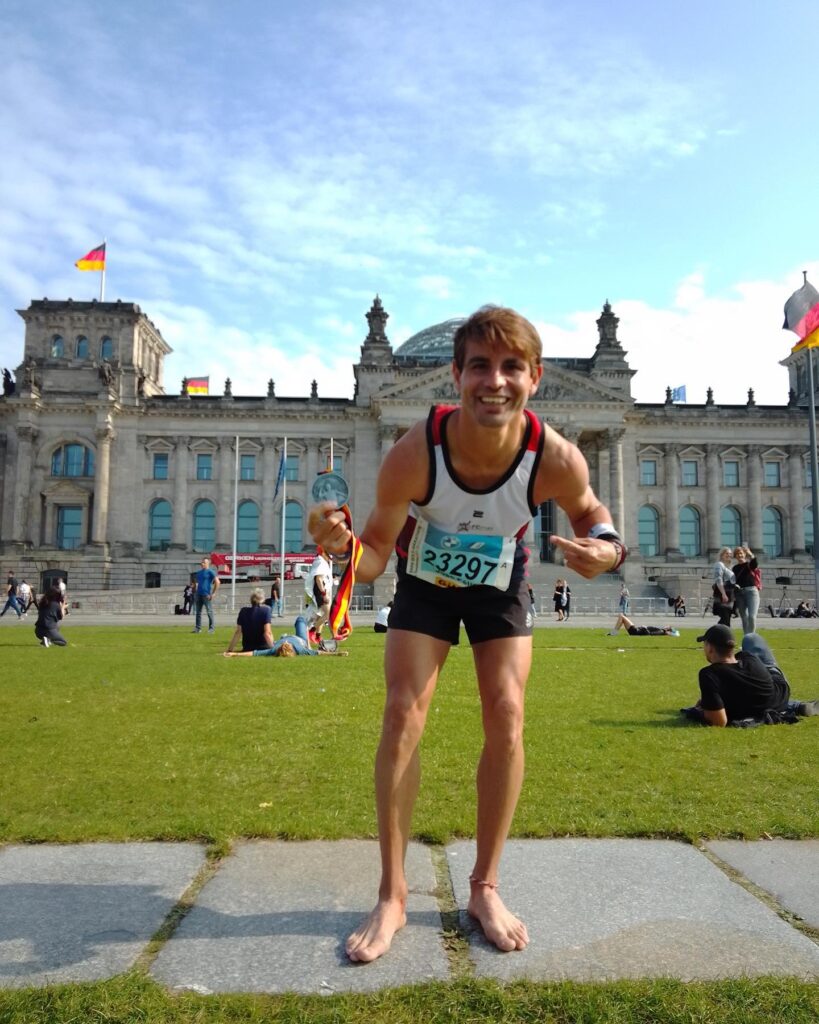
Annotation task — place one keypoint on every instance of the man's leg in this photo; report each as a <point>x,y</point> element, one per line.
<point>503,668</point>
<point>322,617</point>
<point>412,662</point>
<point>209,610</point>
<point>198,622</point>
<point>300,629</point>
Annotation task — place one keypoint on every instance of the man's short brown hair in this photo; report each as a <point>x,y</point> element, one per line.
<point>498,326</point>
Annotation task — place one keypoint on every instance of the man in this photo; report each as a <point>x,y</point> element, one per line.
<point>633,630</point>
<point>382,618</point>
<point>11,597</point>
<point>206,585</point>
<point>253,625</point>
<point>24,597</point>
<point>455,496</point>
<point>276,595</point>
<point>318,586</point>
<point>291,645</point>
<point>736,686</point>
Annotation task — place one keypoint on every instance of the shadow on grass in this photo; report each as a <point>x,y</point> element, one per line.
<point>674,721</point>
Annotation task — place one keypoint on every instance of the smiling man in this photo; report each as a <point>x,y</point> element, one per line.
<point>455,496</point>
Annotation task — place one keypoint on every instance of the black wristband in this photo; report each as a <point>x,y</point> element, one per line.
<point>619,546</point>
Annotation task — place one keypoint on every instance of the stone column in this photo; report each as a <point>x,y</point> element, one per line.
<point>224,492</point>
<point>270,471</point>
<point>617,505</point>
<point>796,500</point>
<point>672,500</point>
<point>754,470</point>
<point>603,487</point>
<point>712,520</point>
<point>102,484</point>
<point>21,517</point>
<point>181,526</point>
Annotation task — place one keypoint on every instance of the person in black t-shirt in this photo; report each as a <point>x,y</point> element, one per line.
<point>253,625</point>
<point>745,684</point>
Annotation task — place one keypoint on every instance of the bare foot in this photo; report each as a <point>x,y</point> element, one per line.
<point>373,937</point>
<point>500,925</point>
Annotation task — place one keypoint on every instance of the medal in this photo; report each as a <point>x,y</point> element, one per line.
<point>331,487</point>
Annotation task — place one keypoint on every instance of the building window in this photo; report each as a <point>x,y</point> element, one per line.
<point>772,474</point>
<point>772,533</point>
<point>808,475</point>
<point>81,348</point>
<point>247,467</point>
<point>160,466</point>
<point>690,533</point>
<point>247,526</point>
<point>153,580</point>
<point>204,466</point>
<point>293,526</point>
<point>72,460</point>
<point>730,473</point>
<point>649,531</point>
<point>648,472</point>
<point>69,527</point>
<point>159,526</point>
<point>808,520</point>
<point>106,348</point>
<point>204,526</point>
<point>291,467</point>
<point>689,473</point>
<point>730,527</point>
<point>57,347</point>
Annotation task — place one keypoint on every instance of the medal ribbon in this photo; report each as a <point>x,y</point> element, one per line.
<point>340,625</point>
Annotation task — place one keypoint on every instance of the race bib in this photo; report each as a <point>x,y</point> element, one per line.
<point>459,560</point>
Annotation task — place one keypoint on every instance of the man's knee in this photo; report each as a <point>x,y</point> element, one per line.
<point>503,722</point>
<point>404,720</point>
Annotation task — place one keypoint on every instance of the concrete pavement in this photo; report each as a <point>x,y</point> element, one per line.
<point>272,916</point>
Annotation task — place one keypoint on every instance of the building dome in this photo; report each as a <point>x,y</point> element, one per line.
<point>432,345</point>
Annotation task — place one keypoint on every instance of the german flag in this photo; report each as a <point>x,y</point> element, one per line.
<point>198,385</point>
<point>802,316</point>
<point>94,260</point>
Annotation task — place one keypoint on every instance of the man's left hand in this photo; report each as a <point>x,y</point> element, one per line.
<point>586,556</point>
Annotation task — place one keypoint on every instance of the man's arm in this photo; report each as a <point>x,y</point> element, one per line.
<point>267,633</point>
<point>237,633</point>
<point>564,476</point>
<point>718,718</point>
<point>216,584</point>
<point>403,477</point>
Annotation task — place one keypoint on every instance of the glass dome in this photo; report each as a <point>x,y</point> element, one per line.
<point>432,345</point>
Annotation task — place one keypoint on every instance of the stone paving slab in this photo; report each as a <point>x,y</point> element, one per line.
<point>86,912</point>
<point>787,869</point>
<point>275,916</point>
<point>599,909</point>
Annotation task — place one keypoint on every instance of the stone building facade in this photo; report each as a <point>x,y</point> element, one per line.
<point>107,477</point>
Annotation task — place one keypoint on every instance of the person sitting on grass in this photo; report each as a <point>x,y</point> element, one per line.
<point>253,625</point>
<point>632,630</point>
<point>50,610</point>
<point>748,685</point>
<point>292,645</point>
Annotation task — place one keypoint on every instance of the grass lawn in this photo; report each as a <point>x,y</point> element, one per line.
<point>147,733</point>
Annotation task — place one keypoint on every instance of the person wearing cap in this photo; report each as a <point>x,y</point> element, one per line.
<point>743,684</point>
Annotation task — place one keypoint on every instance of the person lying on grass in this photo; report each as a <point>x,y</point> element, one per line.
<point>634,630</point>
<point>292,645</point>
<point>744,685</point>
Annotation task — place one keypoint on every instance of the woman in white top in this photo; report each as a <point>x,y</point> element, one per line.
<point>724,584</point>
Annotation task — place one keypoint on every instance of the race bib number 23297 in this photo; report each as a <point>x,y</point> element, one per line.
<point>459,560</point>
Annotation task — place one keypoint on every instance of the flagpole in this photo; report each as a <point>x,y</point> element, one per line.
<point>332,465</point>
<point>102,278</point>
<point>235,525</point>
<point>284,507</point>
<point>814,476</point>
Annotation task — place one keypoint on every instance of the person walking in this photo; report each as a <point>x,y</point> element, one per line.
<point>11,597</point>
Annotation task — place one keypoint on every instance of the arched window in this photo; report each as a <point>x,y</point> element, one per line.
<point>772,533</point>
<point>57,347</point>
<point>808,514</point>
<point>106,348</point>
<point>690,533</point>
<point>648,526</point>
<point>204,526</point>
<point>247,526</point>
<point>159,525</point>
<point>72,460</point>
<point>81,347</point>
<point>730,527</point>
<point>293,526</point>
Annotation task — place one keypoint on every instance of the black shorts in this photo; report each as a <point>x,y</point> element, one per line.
<point>486,612</point>
<point>646,631</point>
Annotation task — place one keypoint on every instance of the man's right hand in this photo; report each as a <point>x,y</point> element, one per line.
<point>328,528</point>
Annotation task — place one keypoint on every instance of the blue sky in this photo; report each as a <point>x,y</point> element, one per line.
<point>261,170</point>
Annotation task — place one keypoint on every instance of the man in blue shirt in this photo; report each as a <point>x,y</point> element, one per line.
<point>206,584</point>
